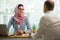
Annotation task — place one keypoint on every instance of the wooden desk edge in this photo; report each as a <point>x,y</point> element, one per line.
<point>15,37</point>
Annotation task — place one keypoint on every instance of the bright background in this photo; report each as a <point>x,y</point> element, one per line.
<point>33,10</point>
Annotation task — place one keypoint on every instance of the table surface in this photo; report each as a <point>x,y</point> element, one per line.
<point>17,36</point>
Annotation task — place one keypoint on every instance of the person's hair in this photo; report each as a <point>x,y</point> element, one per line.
<point>20,5</point>
<point>49,5</point>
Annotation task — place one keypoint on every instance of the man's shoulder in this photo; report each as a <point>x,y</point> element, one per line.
<point>45,17</point>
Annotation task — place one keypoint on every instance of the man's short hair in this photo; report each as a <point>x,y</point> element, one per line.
<point>49,5</point>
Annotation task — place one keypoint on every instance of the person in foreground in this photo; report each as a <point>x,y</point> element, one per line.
<point>49,25</point>
<point>19,21</point>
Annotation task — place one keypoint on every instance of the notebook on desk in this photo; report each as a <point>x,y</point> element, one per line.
<point>3,30</point>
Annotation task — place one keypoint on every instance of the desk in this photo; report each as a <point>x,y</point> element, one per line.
<point>16,37</point>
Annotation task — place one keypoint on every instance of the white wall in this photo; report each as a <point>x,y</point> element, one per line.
<point>33,7</point>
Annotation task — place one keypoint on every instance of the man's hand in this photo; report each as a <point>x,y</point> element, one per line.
<point>30,33</point>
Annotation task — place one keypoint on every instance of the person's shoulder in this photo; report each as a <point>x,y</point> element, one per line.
<point>26,17</point>
<point>12,18</point>
<point>45,17</point>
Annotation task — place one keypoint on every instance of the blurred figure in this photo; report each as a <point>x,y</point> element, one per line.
<point>49,26</point>
<point>19,21</point>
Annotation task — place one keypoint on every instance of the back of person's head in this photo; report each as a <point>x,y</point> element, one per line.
<point>49,5</point>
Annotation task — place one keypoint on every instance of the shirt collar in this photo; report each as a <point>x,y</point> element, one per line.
<point>49,12</point>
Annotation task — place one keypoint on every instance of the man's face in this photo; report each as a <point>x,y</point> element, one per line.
<point>21,9</point>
